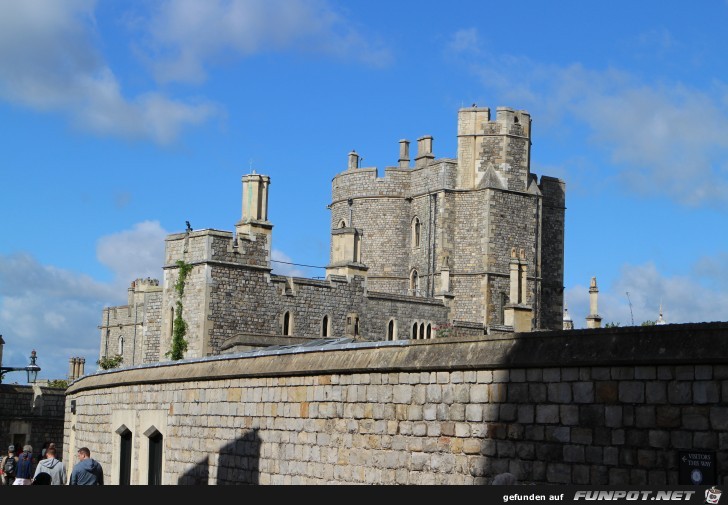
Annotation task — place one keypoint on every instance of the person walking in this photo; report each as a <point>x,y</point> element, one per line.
<point>88,471</point>
<point>9,467</point>
<point>24,475</point>
<point>52,466</point>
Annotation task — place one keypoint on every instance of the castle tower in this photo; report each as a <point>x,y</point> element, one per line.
<point>444,228</point>
<point>593,320</point>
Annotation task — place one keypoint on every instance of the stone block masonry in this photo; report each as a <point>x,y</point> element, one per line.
<point>610,406</point>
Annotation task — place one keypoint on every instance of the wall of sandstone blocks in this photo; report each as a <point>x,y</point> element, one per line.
<point>432,412</point>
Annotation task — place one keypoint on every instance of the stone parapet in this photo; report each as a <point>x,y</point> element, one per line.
<point>608,406</point>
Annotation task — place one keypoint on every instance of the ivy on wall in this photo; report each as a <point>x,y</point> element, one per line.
<point>179,326</point>
<point>109,362</point>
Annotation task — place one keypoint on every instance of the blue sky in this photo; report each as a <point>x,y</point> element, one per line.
<point>122,120</point>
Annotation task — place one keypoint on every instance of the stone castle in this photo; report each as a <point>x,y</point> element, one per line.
<point>468,246</point>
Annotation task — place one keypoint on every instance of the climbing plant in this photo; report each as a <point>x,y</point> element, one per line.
<point>179,326</point>
<point>58,383</point>
<point>109,362</point>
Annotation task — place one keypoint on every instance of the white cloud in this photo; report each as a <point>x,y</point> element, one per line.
<point>51,310</point>
<point>56,311</point>
<point>684,298</point>
<point>465,41</point>
<point>183,36</point>
<point>49,62</point>
<point>664,138</point>
<point>281,265</point>
<point>134,253</point>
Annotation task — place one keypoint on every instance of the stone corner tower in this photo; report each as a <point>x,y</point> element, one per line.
<point>445,228</point>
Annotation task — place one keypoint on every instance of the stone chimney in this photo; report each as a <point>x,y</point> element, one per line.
<point>353,160</point>
<point>76,368</point>
<point>404,159</point>
<point>518,313</point>
<point>424,151</point>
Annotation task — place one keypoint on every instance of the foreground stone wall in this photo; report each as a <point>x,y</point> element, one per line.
<point>30,415</point>
<point>599,407</point>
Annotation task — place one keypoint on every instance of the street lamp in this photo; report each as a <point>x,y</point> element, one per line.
<point>32,369</point>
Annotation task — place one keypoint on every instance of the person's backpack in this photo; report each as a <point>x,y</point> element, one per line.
<point>10,467</point>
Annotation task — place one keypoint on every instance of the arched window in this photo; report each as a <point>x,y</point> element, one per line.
<point>429,331</point>
<point>154,454</point>
<point>414,282</point>
<point>414,331</point>
<point>121,345</point>
<point>287,326</point>
<point>125,447</point>
<point>325,326</point>
<point>416,231</point>
<point>356,326</point>
<point>422,331</point>
<point>391,330</point>
<point>342,223</point>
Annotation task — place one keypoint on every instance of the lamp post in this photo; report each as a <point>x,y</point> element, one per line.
<point>32,369</point>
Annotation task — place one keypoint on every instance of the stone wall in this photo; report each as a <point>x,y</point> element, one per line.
<point>137,325</point>
<point>611,406</point>
<point>31,415</point>
<point>553,210</point>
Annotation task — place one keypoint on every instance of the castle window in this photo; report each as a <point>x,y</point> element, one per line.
<point>414,331</point>
<point>422,331</point>
<point>287,324</point>
<point>352,324</point>
<point>503,302</point>
<point>357,247</point>
<point>121,345</point>
<point>325,326</point>
<point>416,230</point>
<point>154,468</point>
<point>171,322</point>
<point>429,331</point>
<point>125,446</point>
<point>342,223</point>
<point>414,283</point>
<point>392,330</point>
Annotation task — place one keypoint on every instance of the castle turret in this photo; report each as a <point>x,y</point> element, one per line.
<point>493,153</point>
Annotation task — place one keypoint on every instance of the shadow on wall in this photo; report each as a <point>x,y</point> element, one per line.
<point>610,406</point>
<point>238,464</point>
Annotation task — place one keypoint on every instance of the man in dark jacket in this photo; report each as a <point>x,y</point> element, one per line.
<point>88,471</point>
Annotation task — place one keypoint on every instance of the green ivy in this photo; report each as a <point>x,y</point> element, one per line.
<point>108,362</point>
<point>446,330</point>
<point>179,326</point>
<point>58,383</point>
